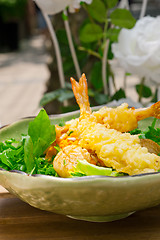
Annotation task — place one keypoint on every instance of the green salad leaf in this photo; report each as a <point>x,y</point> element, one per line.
<point>11,155</point>
<point>27,154</point>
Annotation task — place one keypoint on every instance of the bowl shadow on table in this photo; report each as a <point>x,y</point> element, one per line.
<point>19,220</point>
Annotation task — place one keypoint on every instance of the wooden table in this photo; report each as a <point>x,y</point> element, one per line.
<point>20,221</point>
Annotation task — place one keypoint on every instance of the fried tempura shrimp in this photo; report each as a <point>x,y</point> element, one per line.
<point>120,151</point>
<point>66,160</point>
<point>122,118</point>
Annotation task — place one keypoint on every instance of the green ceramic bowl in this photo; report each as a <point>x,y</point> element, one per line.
<point>92,198</point>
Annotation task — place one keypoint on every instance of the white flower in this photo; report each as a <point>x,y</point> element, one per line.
<point>55,6</point>
<point>138,49</point>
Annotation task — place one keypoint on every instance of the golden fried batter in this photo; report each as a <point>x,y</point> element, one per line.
<point>101,134</point>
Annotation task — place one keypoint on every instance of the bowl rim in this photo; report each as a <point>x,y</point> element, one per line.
<point>72,178</point>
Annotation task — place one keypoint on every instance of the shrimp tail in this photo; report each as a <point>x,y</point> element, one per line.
<point>152,111</point>
<point>80,91</point>
<point>156,110</point>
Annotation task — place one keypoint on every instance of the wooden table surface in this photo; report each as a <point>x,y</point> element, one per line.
<point>18,220</point>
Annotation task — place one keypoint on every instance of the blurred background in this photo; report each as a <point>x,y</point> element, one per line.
<point>28,67</point>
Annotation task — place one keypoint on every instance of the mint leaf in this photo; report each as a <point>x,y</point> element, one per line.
<point>42,133</point>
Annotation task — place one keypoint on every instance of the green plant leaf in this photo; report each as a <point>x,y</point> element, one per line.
<point>62,36</point>
<point>49,97</point>
<point>155,96</point>
<point>69,109</point>
<point>28,154</point>
<point>145,91</point>
<point>65,94</point>
<point>97,10</point>
<point>91,32</point>
<point>91,92</point>
<point>112,34</point>
<point>101,98</point>
<point>119,94</point>
<point>110,54</point>
<point>64,16</point>
<point>6,158</point>
<point>14,9</point>
<point>128,74</point>
<point>111,3</point>
<point>42,133</point>
<point>96,75</point>
<point>22,154</point>
<point>68,66</point>
<point>122,18</point>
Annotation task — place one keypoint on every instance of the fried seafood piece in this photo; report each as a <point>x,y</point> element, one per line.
<point>125,119</point>
<point>120,151</point>
<point>63,138</point>
<point>66,160</point>
<point>122,118</point>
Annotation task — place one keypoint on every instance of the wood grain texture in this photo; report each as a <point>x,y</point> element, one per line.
<point>18,220</point>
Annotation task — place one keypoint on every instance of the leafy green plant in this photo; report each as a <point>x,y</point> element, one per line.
<point>10,9</point>
<point>152,132</point>
<point>28,154</point>
<point>100,27</point>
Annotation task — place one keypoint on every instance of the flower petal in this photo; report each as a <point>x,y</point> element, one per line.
<point>138,49</point>
<point>52,6</point>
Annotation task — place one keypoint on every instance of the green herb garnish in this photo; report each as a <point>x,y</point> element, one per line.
<point>151,132</point>
<point>27,154</point>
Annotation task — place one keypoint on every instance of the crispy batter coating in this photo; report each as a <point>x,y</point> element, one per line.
<point>121,118</point>
<point>121,151</point>
<point>66,159</point>
<point>101,133</point>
